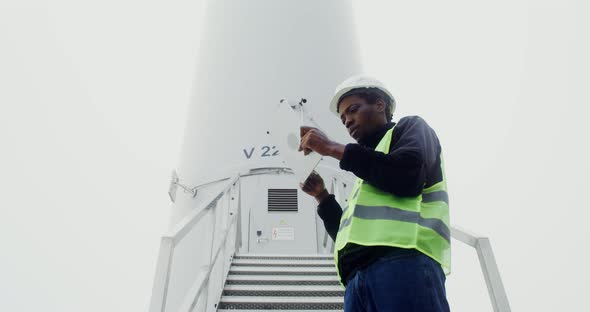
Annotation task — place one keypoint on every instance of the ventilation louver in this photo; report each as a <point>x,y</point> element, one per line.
<point>282,200</point>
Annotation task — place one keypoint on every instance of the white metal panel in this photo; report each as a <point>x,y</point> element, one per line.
<point>301,224</point>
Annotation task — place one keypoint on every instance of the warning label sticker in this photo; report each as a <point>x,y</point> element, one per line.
<point>283,233</point>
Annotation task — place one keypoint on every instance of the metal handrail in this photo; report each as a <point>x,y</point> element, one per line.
<point>179,231</point>
<point>173,238</point>
<point>489,267</point>
<point>191,298</point>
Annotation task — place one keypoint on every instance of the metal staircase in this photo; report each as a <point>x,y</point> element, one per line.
<point>200,267</point>
<point>282,282</point>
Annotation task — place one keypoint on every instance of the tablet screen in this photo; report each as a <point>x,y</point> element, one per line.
<point>285,132</point>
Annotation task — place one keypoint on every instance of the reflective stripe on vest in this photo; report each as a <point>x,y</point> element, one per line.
<point>392,213</point>
<point>435,196</point>
<point>375,217</point>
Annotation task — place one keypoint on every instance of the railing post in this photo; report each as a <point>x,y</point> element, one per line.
<point>489,267</point>
<point>492,276</point>
<point>160,288</point>
<point>213,236</point>
<point>239,216</point>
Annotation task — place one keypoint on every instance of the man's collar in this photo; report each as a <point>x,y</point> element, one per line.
<point>373,140</point>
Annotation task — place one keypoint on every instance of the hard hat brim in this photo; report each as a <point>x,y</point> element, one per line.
<point>343,91</point>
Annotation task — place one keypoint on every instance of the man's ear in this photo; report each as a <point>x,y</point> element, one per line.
<point>380,105</point>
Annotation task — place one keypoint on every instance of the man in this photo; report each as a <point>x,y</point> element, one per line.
<point>392,242</point>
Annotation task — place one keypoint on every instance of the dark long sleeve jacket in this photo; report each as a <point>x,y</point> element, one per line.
<point>413,163</point>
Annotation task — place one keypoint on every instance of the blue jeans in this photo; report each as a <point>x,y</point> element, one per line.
<point>409,282</point>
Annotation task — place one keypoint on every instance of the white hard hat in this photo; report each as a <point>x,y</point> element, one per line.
<point>358,82</point>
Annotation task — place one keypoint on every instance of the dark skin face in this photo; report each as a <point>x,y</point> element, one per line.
<point>361,118</point>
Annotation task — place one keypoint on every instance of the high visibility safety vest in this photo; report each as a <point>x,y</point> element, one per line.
<point>378,218</point>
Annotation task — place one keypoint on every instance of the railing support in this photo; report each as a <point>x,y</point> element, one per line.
<point>160,289</point>
<point>488,266</point>
<point>178,232</point>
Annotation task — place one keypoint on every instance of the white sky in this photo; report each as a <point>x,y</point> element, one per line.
<point>93,97</point>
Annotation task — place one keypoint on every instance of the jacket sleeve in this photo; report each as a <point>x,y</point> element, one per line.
<point>403,171</point>
<point>330,212</point>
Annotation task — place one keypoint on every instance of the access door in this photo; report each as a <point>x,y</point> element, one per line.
<point>281,218</point>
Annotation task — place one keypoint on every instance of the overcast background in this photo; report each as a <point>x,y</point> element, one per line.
<point>93,96</point>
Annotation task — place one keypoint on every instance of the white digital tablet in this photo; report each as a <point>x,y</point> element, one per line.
<point>285,131</point>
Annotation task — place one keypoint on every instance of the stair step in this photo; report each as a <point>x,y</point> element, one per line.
<point>282,262</point>
<point>301,273</point>
<point>284,290</point>
<point>284,257</point>
<point>281,303</point>
<point>284,287</point>
<point>282,310</point>
<point>253,270</point>
<point>269,277</point>
<point>304,282</point>
<point>283,293</point>
<point>233,299</point>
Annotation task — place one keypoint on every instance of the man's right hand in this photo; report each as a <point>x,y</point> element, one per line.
<point>314,186</point>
